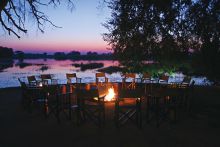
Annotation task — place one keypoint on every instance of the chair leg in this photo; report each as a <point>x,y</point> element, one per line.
<point>99,116</point>
<point>46,109</point>
<point>139,114</point>
<point>157,112</point>
<point>78,117</point>
<point>148,109</point>
<point>103,110</point>
<point>117,113</point>
<point>70,107</point>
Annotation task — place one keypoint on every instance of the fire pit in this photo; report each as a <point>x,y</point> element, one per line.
<point>110,95</point>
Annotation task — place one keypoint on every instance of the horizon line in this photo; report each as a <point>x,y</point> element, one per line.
<point>52,52</point>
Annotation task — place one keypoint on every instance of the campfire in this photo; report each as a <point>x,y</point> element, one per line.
<point>110,95</point>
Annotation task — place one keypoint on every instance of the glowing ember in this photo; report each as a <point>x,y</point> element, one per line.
<point>111,94</point>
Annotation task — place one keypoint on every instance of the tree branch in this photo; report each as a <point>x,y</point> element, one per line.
<point>13,14</point>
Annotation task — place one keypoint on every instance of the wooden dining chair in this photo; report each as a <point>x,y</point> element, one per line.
<point>68,104</point>
<point>146,81</point>
<point>52,103</point>
<point>128,106</point>
<point>160,104</point>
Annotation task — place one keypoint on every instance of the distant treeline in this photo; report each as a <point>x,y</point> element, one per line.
<point>8,53</point>
<point>75,55</point>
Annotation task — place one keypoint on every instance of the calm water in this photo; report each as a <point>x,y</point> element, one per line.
<point>9,76</point>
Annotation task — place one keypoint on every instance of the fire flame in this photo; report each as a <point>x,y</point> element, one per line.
<point>111,94</point>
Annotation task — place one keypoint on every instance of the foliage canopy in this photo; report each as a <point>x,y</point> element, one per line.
<point>166,30</point>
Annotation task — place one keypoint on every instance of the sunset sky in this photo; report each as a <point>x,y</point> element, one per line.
<point>81,30</point>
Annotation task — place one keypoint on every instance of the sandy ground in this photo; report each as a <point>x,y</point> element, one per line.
<point>19,128</point>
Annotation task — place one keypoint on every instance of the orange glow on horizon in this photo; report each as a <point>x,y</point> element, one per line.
<point>52,46</point>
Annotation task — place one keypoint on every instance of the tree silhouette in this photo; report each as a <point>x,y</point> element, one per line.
<point>6,52</point>
<point>142,29</point>
<point>166,30</point>
<point>205,16</point>
<point>13,14</point>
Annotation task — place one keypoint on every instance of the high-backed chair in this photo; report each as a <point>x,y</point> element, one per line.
<point>92,104</point>
<point>128,102</point>
<point>157,100</point>
<point>146,80</point>
<point>52,102</point>
<point>166,101</point>
<point>31,95</point>
<point>187,90</point>
<point>68,104</point>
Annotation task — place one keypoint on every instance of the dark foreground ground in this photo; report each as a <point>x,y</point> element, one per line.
<point>19,128</point>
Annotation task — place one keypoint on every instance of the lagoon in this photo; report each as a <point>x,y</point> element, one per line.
<point>58,68</point>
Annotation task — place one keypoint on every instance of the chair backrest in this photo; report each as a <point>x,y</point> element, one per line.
<point>88,92</point>
<point>100,77</point>
<point>130,93</point>
<point>45,76</point>
<point>185,83</point>
<point>46,79</point>
<point>70,76</point>
<point>186,80</point>
<point>32,80</point>
<point>132,84</point>
<point>130,75</point>
<point>163,79</point>
<point>146,77</point>
<point>100,74</point>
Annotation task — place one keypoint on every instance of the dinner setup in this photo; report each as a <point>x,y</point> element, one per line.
<point>133,100</point>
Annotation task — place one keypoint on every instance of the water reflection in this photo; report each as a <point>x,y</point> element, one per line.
<point>13,71</point>
<point>44,68</point>
<point>17,69</point>
<point>84,67</point>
